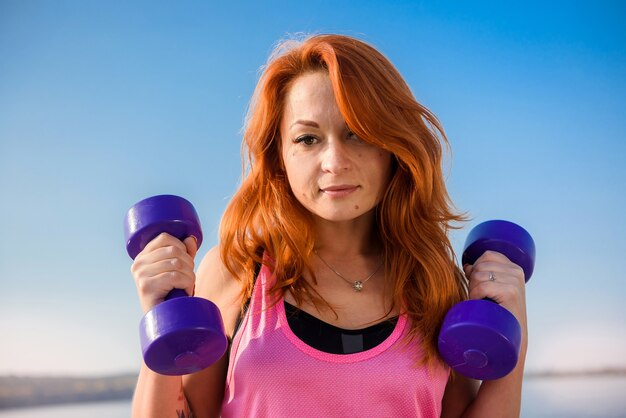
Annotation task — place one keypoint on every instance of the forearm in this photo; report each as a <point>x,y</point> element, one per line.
<point>502,397</point>
<point>159,396</point>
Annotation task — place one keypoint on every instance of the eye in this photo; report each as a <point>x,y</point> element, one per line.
<point>353,136</point>
<point>305,139</point>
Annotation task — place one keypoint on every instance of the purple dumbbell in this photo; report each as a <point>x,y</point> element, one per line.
<point>479,338</point>
<point>183,334</point>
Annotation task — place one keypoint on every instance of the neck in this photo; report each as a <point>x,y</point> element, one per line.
<point>346,239</point>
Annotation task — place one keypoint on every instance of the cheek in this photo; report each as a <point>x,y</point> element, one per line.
<point>383,171</point>
<point>294,169</point>
<point>380,161</point>
<point>386,164</point>
<point>287,164</point>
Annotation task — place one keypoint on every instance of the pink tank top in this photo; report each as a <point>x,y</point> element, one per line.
<point>272,373</point>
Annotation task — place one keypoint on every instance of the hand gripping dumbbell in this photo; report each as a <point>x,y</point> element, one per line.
<point>479,338</point>
<point>182,334</point>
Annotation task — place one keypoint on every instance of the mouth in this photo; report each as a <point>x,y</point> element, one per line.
<point>339,190</point>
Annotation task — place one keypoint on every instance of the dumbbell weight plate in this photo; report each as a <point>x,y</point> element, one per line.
<point>154,215</point>
<point>182,335</point>
<point>480,339</point>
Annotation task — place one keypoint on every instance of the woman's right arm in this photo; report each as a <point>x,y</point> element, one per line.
<point>204,390</point>
<point>157,395</point>
<point>164,264</point>
<point>167,263</point>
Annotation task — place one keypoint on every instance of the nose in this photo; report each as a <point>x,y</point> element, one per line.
<point>336,157</point>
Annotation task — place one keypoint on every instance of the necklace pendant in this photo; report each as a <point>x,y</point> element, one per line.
<point>358,285</point>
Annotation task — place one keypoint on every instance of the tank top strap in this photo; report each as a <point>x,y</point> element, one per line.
<point>260,313</point>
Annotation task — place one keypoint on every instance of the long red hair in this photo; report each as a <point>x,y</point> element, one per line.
<point>415,214</point>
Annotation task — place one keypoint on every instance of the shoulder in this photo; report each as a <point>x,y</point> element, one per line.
<point>215,283</point>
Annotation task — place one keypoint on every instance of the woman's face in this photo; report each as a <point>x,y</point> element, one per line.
<point>332,173</point>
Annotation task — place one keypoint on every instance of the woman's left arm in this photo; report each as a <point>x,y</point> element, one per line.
<point>501,397</point>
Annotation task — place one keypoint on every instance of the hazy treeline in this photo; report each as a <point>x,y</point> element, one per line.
<point>16,391</point>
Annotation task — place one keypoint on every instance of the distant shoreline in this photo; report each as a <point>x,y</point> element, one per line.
<point>31,391</point>
<point>605,372</point>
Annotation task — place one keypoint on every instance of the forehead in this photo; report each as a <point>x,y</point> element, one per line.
<point>306,84</point>
<point>309,95</point>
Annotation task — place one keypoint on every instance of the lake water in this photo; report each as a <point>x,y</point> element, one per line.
<point>581,397</point>
<point>589,397</point>
<point>113,409</point>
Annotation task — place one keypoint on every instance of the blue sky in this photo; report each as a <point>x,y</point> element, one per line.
<point>105,103</point>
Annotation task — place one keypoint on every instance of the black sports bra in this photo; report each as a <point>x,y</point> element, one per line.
<point>326,337</point>
<point>331,339</point>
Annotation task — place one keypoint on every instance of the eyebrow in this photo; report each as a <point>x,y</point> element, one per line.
<point>305,123</point>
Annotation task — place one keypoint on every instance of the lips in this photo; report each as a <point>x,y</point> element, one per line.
<point>339,190</point>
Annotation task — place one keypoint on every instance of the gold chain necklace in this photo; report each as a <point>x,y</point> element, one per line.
<point>357,285</point>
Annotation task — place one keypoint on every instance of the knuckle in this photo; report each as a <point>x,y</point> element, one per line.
<point>143,286</point>
<point>478,267</point>
<point>163,236</point>
<point>157,241</point>
<point>477,289</point>
<point>170,250</point>
<point>495,255</point>
<point>136,270</point>
<point>475,293</point>
<point>489,255</point>
<point>175,263</point>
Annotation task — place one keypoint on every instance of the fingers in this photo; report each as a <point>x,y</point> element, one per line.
<point>165,263</point>
<point>169,257</point>
<point>495,277</point>
<point>163,240</point>
<point>494,265</point>
<point>191,243</point>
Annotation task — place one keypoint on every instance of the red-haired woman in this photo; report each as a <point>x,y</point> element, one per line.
<point>334,270</point>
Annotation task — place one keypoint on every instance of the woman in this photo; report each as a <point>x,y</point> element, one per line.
<point>334,270</point>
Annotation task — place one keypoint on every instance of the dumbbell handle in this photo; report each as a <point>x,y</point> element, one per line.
<point>175,293</point>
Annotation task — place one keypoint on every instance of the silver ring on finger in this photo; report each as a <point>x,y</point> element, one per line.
<point>492,277</point>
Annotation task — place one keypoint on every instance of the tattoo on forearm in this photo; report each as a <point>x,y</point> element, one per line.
<point>185,412</point>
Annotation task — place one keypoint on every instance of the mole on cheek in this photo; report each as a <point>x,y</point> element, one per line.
<point>356,207</point>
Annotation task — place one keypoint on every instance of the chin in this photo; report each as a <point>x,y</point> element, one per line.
<point>343,216</point>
